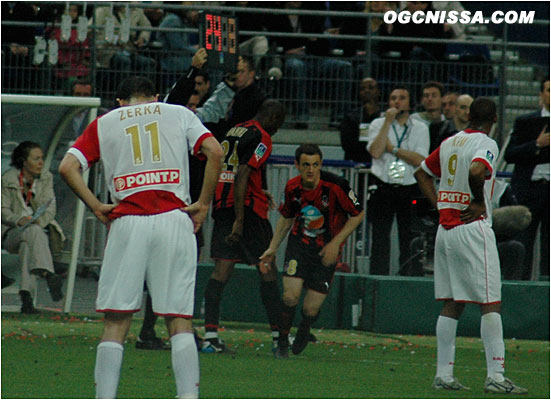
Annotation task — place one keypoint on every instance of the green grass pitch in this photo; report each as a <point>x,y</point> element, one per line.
<point>52,356</point>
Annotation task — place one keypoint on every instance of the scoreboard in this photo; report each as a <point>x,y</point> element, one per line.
<point>219,35</point>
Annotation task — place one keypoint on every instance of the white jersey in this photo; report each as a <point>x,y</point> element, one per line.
<point>451,163</point>
<point>143,147</point>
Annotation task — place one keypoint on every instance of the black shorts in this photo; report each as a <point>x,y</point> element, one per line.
<point>257,234</point>
<point>303,261</point>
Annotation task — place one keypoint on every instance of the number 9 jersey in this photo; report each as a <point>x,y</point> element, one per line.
<point>451,163</point>
<point>144,149</point>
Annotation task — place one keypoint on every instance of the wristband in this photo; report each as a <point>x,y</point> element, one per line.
<point>395,151</point>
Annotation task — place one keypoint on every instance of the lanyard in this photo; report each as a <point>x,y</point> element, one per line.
<point>29,194</point>
<point>399,140</point>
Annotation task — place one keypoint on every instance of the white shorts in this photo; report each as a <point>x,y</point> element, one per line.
<point>466,264</point>
<point>159,249</point>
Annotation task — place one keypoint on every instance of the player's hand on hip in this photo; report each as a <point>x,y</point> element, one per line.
<point>102,212</point>
<point>197,212</point>
<point>473,211</point>
<point>329,254</point>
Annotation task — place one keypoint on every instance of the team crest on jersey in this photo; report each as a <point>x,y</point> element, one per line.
<point>291,267</point>
<point>260,151</point>
<point>353,197</point>
<point>489,156</point>
<point>313,221</point>
<point>325,201</point>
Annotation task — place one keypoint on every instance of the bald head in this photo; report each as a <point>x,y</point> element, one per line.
<point>369,91</point>
<point>483,113</point>
<point>462,108</point>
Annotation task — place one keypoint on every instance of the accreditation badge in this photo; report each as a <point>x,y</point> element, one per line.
<point>396,172</point>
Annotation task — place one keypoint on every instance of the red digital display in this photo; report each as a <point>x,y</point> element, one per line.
<point>219,38</point>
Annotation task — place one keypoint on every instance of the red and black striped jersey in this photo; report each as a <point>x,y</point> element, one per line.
<point>320,213</point>
<point>245,144</point>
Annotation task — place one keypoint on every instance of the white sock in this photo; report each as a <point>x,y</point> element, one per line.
<point>275,335</point>
<point>446,329</point>
<point>185,364</point>
<point>211,335</point>
<point>491,332</point>
<point>108,369</point>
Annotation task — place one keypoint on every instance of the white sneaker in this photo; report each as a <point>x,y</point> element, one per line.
<point>507,386</point>
<point>440,383</point>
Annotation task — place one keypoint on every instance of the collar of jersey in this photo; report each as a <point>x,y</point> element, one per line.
<point>468,130</point>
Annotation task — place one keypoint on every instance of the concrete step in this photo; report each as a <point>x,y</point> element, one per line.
<point>523,88</point>
<point>517,73</point>
<point>512,56</point>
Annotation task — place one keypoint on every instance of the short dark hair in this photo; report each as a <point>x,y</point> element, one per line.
<point>483,110</point>
<point>309,149</point>
<point>135,86</point>
<point>204,73</point>
<point>433,84</point>
<point>249,61</point>
<point>542,83</point>
<point>20,154</point>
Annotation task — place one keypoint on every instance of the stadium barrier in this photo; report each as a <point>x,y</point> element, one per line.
<point>386,305</point>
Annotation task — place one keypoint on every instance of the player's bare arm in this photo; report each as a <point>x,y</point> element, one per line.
<point>215,155</point>
<point>239,192</point>
<point>330,251</point>
<point>70,171</point>
<point>477,207</point>
<point>379,145</point>
<point>426,184</point>
<point>282,228</point>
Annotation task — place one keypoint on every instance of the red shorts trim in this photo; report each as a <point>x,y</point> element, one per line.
<point>174,315</point>
<point>470,302</point>
<point>118,311</point>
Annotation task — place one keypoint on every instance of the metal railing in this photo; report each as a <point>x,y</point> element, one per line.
<point>320,95</point>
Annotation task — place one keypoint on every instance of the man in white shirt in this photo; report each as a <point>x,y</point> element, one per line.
<point>397,144</point>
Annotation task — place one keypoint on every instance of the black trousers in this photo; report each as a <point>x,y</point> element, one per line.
<point>537,200</point>
<point>385,203</point>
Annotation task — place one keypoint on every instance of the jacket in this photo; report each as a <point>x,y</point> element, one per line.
<point>13,204</point>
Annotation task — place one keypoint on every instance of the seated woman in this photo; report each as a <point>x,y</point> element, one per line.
<point>25,188</point>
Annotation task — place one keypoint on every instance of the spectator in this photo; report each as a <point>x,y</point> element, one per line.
<point>178,47</point>
<point>124,58</point>
<point>202,86</point>
<point>457,29</point>
<point>255,47</point>
<point>448,104</point>
<point>300,69</point>
<point>193,102</point>
<point>444,129</point>
<point>355,124</point>
<point>508,220</point>
<point>248,98</point>
<point>73,55</point>
<point>397,144</point>
<point>432,103</point>
<point>28,211</point>
<point>528,149</point>
<point>17,45</point>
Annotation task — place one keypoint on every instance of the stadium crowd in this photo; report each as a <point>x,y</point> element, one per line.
<point>386,131</point>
